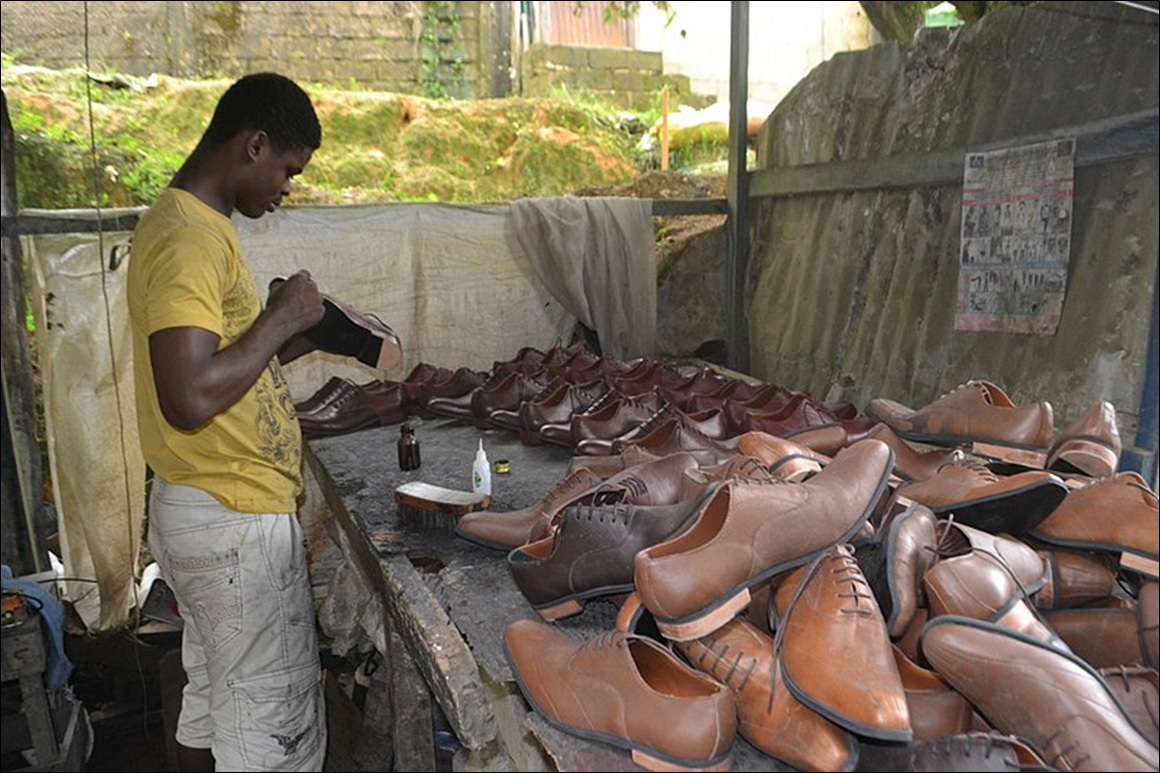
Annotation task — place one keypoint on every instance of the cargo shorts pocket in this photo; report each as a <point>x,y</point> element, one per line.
<point>279,716</point>
<point>210,590</point>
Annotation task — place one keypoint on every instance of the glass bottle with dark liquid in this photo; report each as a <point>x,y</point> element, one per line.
<point>409,458</point>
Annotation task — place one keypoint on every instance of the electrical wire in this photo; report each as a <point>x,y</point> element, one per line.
<point>97,191</point>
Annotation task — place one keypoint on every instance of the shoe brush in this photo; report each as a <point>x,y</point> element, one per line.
<point>429,506</point>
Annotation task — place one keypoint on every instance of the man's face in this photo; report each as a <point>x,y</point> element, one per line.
<point>268,178</point>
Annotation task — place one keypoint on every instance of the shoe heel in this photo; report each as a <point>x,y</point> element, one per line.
<point>654,763</point>
<point>559,611</point>
<point>707,623</point>
<point>1024,456</point>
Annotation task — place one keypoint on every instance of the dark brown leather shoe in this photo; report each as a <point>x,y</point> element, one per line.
<point>560,433</point>
<point>327,393</point>
<point>627,691</point>
<point>422,374</point>
<point>742,657</point>
<point>680,434</point>
<point>1091,446</point>
<point>1050,697</point>
<point>748,531</point>
<point>499,408</point>
<point>734,389</point>
<point>556,407</point>
<point>826,613</point>
<point>704,381</point>
<point>458,383</point>
<point>614,419</point>
<point>345,331</point>
<point>591,553</point>
<point>376,404</point>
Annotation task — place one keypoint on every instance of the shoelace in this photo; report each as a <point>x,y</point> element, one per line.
<point>611,514</point>
<point>572,484</point>
<point>734,669</point>
<point>849,573</point>
<point>1064,752</point>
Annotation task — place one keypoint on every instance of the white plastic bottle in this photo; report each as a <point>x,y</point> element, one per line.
<point>481,473</point>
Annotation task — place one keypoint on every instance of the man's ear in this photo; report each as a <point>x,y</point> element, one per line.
<point>256,143</point>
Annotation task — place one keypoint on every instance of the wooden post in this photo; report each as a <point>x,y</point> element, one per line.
<point>19,397</point>
<point>665,128</point>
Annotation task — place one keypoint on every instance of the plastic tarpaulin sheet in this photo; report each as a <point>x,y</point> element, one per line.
<point>85,352</point>
<point>457,283</point>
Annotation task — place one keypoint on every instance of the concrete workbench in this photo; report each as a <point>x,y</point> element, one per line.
<point>448,601</point>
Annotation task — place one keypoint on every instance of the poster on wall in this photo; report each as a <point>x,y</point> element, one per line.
<point>1015,238</point>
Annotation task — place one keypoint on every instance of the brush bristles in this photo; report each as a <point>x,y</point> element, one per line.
<point>428,506</point>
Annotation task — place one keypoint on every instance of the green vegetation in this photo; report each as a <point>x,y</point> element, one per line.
<point>117,140</point>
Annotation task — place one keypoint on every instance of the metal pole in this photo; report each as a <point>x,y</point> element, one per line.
<point>737,192</point>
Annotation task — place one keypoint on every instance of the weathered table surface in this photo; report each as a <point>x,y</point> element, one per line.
<point>451,600</point>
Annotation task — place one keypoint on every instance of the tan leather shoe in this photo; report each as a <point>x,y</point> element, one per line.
<point>1011,504</point>
<point>742,657</point>
<point>975,412</point>
<point>1102,637</point>
<point>1148,619</point>
<point>1119,514</point>
<point>749,531</point>
<point>1075,577</point>
<point>909,543</point>
<point>1050,697</point>
<point>936,709</point>
<point>977,751</point>
<point>909,464</point>
<point>626,691</point>
<point>1091,446</point>
<point>826,613</point>
<point>504,531</point>
<point>786,459</point>
<point>1138,688</point>
<point>986,577</point>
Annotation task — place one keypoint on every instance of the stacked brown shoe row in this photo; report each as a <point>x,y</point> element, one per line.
<point>341,406</point>
<point>981,417</point>
<point>1019,610</point>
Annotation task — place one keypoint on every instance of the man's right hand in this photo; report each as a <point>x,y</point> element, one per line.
<point>296,300</point>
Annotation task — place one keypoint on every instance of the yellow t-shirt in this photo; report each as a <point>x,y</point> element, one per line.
<point>187,269</point>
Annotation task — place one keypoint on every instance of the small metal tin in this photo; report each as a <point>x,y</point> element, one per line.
<point>502,466</point>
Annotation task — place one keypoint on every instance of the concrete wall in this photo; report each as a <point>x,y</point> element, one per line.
<point>407,47</point>
<point>786,41</point>
<point>853,293</point>
<point>631,79</point>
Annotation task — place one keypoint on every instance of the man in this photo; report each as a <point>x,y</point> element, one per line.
<point>219,433</point>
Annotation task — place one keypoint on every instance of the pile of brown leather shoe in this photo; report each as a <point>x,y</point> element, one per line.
<point>888,607</point>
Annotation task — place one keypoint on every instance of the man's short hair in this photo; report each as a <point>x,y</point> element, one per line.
<point>267,102</point>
